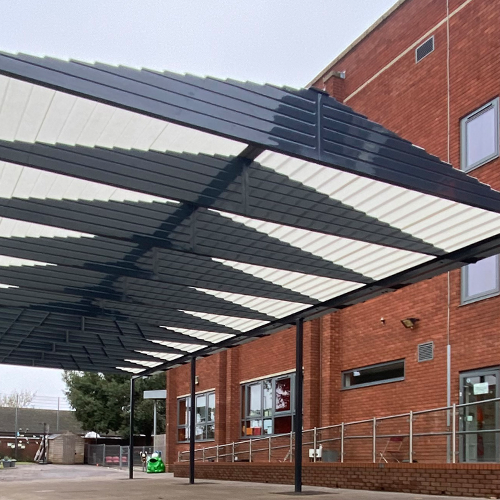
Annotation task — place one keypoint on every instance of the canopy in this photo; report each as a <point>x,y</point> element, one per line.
<point>146,216</point>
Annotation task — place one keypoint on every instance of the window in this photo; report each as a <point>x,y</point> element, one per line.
<point>374,374</point>
<point>480,280</point>
<point>479,136</point>
<point>267,406</point>
<point>205,417</point>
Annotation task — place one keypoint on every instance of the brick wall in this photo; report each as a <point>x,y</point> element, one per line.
<point>459,479</point>
<point>410,99</point>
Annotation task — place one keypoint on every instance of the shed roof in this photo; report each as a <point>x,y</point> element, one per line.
<point>146,216</point>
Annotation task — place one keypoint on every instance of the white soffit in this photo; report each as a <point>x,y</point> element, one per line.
<point>316,287</point>
<point>32,113</point>
<point>375,261</point>
<point>162,355</point>
<point>443,223</point>
<point>130,370</point>
<point>272,307</point>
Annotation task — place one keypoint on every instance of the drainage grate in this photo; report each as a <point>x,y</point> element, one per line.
<point>426,352</point>
<point>425,49</point>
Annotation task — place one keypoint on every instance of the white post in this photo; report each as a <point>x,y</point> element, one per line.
<point>233,451</point>
<point>203,455</point>
<point>314,443</point>
<point>454,433</point>
<point>217,453</point>
<point>342,442</point>
<point>411,437</point>
<point>291,446</point>
<point>154,421</point>
<point>374,451</point>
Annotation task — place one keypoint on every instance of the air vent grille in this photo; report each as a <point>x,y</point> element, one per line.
<point>426,352</point>
<point>425,49</point>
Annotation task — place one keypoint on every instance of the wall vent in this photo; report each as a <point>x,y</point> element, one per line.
<point>425,49</point>
<point>426,352</point>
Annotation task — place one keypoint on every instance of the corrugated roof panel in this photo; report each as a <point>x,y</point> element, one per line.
<point>213,337</point>
<point>10,228</point>
<point>31,113</point>
<point>354,255</point>
<point>272,307</point>
<point>315,287</point>
<point>421,215</point>
<point>234,322</point>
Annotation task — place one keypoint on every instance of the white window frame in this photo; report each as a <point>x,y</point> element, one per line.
<point>469,299</point>
<point>273,412</point>
<point>203,425</point>
<point>463,136</point>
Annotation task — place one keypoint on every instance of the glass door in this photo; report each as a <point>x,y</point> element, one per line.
<point>475,444</point>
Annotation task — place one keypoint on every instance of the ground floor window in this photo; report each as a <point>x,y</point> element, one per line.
<point>205,417</point>
<point>381,373</point>
<point>267,406</point>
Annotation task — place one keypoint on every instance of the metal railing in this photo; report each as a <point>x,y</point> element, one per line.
<point>425,436</point>
<point>110,455</point>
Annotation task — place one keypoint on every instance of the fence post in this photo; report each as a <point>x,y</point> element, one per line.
<point>233,451</point>
<point>342,442</point>
<point>217,453</point>
<point>203,455</point>
<point>269,449</point>
<point>291,446</point>
<point>249,450</point>
<point>121,454</point>
<point>411,438</point>
<point>314,442</point>
<point>454,433</point>
<point>104,454</point>
<point>374,451</point>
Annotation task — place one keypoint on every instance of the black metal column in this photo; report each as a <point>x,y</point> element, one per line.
<point>299,355</point>
<point>131,425</point>
<point>192,417</point>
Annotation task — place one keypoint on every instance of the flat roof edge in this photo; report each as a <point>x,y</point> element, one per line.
<point>358,40</point>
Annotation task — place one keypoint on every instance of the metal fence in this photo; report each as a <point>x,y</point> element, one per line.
<point>107,455</point>
<point>458,433</point>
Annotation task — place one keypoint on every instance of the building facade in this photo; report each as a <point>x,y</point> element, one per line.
<point>429,71</point>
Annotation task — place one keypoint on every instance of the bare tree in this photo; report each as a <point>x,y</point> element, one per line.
<point>19,399</point>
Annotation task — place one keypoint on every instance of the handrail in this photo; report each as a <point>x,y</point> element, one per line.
<point>316,441</point>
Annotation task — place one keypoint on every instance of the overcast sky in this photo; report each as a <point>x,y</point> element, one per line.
<point>285,42</point>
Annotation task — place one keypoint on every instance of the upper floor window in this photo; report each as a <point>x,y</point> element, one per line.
<point>479,136</point>
<point>204,420</point>
<point>267,406</point>
<point>381,373</point>
<point>480,280</point>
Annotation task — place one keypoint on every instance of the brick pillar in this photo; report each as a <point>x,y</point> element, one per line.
<point>330,363</point>
<point>233,402</point>
<point>221,399</point>
<point>312,375</point>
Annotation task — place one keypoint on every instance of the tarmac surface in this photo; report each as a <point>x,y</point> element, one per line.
<point>85,482</point>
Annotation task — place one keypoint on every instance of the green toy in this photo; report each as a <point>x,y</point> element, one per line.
<point>155,464</point>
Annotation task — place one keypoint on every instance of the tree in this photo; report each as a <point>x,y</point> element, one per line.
<point>102,402</point>
<point>17,399</point>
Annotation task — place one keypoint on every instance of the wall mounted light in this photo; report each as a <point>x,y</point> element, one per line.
<point>409,322</point>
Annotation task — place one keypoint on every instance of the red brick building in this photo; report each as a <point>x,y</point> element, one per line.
<point>428,70</point>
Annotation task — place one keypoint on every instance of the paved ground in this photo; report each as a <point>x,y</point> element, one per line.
<point>84,482</point>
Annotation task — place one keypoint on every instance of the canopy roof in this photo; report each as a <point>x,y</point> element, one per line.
<point>147,216</point>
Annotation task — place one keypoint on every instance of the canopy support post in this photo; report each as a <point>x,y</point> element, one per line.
<point>192,415</point>
<point>131,431</point>
<point>299,354</point>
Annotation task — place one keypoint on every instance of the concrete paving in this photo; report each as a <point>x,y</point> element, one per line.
<point>84,482</point>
